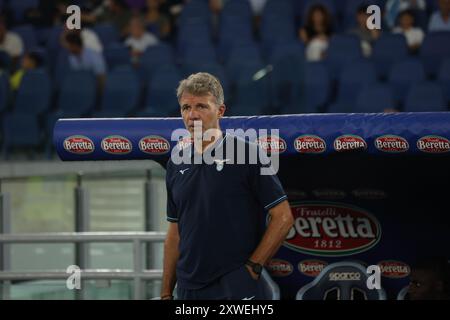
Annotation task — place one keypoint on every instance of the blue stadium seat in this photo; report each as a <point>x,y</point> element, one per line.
<point>404,74</point>
<point>277,30</point>
<point>342,49</point>
<point>287,62</point>
<point>374,98</point>
<point>233,32</point>
<point>161,97</point>
<point>444,78</point>
<point>121,93</point>
<point>77,95</point>
<point>195,11</point>
<point>280,8</point>
<point>33,96</point>
<point>198,34</point>
<point>28,35</point>
<point>239,9</point>
<point>198,54</point>
<point>19,8</point>
<point>117,54</point>
<point>4,91</point>
<point>435,48</point>
<point>240,57</point>
<point>20,130</point>
<point>53,43</point>
<point>425,97</point>
<point>353,78</point>
<point>387,50</point>
<point>5,60</point>
<point>154,57</point>
<point>107,33</point>
<point>315,88</point>
<point>252,95</point>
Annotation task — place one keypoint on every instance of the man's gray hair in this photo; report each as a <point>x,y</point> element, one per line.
<point>200,84</point>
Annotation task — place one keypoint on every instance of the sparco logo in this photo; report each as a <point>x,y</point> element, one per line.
<point>279,268</point>
<point>394,269</point>
<point>332,229</point>
<point>344,276</point>
<point>116,145</point>
<point>311,268</point>
<point>272,144</point>
<point>78,145</point>
<point>309,144</point>
<point>349,142</point>
<point>154,145</point>
<point>433,144</point>
<point>391,143</point>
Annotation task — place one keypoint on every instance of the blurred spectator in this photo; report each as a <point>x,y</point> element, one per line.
<point>440,20</point>
<point>82,58</point>
<point>10,42</point>
<point>30,61</point>
<point>139,39</point>
<point>89,37</point>
<point>111,11</point>
<point>414,35</point>
<point>394,7</point>
<point>429,280</point>
<point>257,6</point>
<point>316,32</point>
<point>367,36</point>
<point>156,21</point>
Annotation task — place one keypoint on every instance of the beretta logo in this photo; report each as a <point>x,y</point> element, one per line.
<point>279,268</point>
<point>433,144</point>
<point>391,143</point>
<point>394,269</point>
<point>154,145</point>
<point>309,143</point>
<point>349,142</point>
<point>332,229</point>
<point>311,268</point>
<point>116,145</point>
<point>272,144</point>
<point>184,142</point>
<point>78,144</point>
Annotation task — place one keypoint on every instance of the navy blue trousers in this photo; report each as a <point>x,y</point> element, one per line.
<point>235,285</point>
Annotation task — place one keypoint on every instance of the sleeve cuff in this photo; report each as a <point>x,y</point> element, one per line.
<point>274,203</point>
<point>172,219</point>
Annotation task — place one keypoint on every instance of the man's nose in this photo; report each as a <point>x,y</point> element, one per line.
<point>193,115</point>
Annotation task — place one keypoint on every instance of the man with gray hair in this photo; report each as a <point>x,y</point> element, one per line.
<point>217,241</point>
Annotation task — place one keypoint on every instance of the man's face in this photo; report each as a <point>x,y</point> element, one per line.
<point>424,285</point>
<point>200,108</point>
<point>74,49</point>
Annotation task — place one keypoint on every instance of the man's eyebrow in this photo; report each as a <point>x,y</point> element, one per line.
<point>185,105</point>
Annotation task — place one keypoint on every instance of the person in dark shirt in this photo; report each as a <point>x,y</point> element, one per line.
<point>217,241</point>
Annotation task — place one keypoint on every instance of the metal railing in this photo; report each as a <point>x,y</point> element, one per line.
<point>138,274</point>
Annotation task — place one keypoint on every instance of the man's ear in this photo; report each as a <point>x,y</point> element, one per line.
<point>221,111</point>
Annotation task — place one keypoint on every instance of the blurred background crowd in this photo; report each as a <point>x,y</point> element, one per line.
<point>272,57</point>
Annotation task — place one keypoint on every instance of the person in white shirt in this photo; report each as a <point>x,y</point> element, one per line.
<point>440,20</point>
<point>11,43</point>
<point>139,39</point>
<point>414,35</point>
<point>394,7</point>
